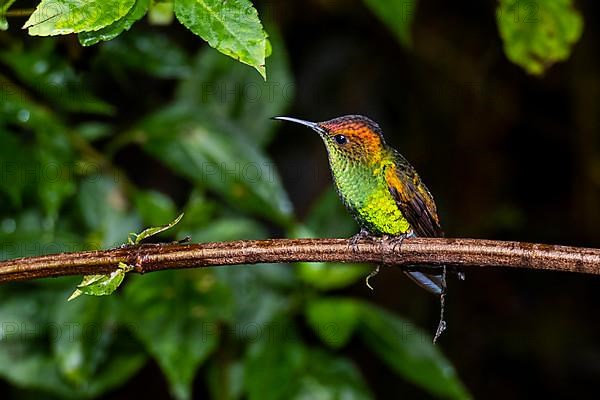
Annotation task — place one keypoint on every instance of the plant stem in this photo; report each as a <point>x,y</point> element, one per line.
<point>415,251</point>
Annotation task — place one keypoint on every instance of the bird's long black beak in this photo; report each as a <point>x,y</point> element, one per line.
<point>313,125</point>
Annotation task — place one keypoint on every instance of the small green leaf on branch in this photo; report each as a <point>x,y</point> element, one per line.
<point>101,285</point>
<point>137,238</point>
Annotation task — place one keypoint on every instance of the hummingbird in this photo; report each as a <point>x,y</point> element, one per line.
<point>380,189</point>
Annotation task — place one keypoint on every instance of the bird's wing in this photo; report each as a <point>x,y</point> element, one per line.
<point>413,199</point>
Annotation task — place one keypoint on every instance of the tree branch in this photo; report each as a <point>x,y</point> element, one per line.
<point>415,251</point>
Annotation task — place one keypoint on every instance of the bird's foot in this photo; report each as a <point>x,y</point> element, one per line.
<point>363,234</point>
<point>372,274</point>
<point>396,241</point>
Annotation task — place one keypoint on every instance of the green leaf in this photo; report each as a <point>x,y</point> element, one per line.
<point>279,357</point>
<point>101,285</point>
<point>410,352</point>
<point>333,319</point>
<point>397,15</point>
<point>216,155</point>
<point>116,28</point>
<point>232,27</point>
<point>537,34</point>
<point>60,17</point>
<point>146,233</point>
<point>221,88</point>
<point>4,6</point>
<point>175,314</point>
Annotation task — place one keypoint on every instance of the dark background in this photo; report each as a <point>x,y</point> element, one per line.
<point>506,155</point>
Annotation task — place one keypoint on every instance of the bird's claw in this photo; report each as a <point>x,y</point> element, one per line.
<point>372,274</point>
<point>396,241</point>
<point>361,235</point>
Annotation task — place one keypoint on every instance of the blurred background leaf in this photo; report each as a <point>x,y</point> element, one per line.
<point>333,319</point>
<point>4,6</point>
<point>537,34</point>
<point>224,90</point>
<point>50,76</point>
<point>72,350</point>
<point>155,208</point>
<point>217,156</point>
<point>329,218</point>
<point>410,352</point>
<point>278,356</point>
<point>176,316</point>
<point>397,15</point>
<point>151,53</point>
<point>105,212</point>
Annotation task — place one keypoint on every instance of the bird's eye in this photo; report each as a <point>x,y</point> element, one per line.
<point>340,139</point>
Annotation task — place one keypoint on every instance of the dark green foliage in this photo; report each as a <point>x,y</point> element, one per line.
<point>538,34</point>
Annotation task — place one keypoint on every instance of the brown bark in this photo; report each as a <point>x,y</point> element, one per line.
<point>469,253</point>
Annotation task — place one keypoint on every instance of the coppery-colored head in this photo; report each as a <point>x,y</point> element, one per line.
<point>353,137</point>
